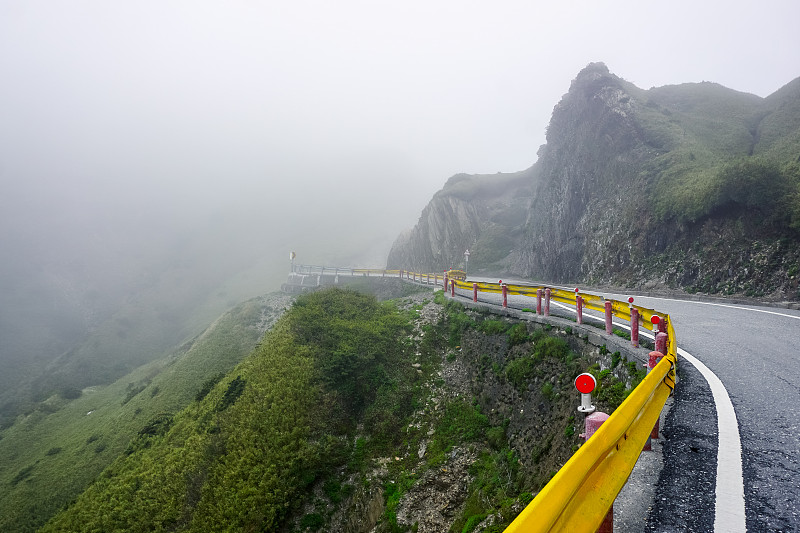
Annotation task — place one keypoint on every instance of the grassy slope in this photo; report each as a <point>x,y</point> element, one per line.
<point>51,455</point>
<point>779,131</point>
<point>303,422</point>
<point>238,457</point>
<point>697,128</point>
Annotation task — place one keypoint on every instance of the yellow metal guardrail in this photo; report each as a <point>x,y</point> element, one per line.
<point>595,302</point>
<point>579,496</point>
<point>581,493</point>
<point>621,310</point>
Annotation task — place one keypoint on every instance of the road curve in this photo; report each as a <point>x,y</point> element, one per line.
<point>753,351</point>
<point>750,353</point>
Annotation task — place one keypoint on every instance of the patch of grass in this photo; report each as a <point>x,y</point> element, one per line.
<point>439,298</point>
<point>461,422</point>
<point>518,334</point>
<point>493,327</point>
<point>612,395</point>
<point>547,391</point>
<point>496,436</point>
<point>458,321</point>
<point>621,333</point>
<point>495,487</point>
<point>393,490</point>
<point>520,371</point>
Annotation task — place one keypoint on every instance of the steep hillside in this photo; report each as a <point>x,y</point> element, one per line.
<point>354,414</point>
<point>693,186</point>
<point>53,452</point>
<point>484,213</point>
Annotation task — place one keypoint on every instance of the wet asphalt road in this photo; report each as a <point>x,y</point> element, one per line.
<point>755,353</point>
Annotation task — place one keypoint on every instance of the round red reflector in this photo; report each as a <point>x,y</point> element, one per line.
<point>655,319</point>
<point>576,289</point>
<point>630,300</point>
<point>585,383</point>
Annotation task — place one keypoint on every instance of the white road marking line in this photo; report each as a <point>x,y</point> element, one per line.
<point>729,511</point>
<point>729,514</point>
<point>796,317</point>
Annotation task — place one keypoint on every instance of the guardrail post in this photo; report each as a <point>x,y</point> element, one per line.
<point>474,292</point>
<point>661,342</point>
<point>609,315</point>
<point>505,295</point>
<point>635,327</point>
<point>651,364</point>
<point>538,301</point>
<point>547,302</point>
<point>579,308</point>
<point>593,422</point>
<point>453,288</point>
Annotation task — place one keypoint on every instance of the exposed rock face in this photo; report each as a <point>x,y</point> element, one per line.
<point>483,214</point>
<point>630,189</point>
<point>435,500</point>
<point>588,167</point>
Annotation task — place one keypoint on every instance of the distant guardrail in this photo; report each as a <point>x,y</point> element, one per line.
<point>581,493</point>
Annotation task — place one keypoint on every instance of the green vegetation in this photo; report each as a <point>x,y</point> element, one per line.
<point>494,489</point>
<point>522,370</point>
<point>493,326</point>
<point>611,391</point>
<point>458,321</point>
<point>712,156</point>
<point>622,333</point>
<point>282,423</point>
<point>461,422</point>
<point>342,387</point>
<point>518,334</point>
<point>90,431</point>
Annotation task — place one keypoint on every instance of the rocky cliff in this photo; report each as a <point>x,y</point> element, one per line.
<point>482,213</point>
<point>692,186</point>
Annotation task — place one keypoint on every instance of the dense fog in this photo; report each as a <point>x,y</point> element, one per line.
<point>158,161</point>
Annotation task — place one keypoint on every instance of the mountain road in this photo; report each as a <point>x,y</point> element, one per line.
<point>731,440</point>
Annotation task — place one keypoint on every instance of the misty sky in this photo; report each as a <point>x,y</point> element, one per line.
<point>124,124</point>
